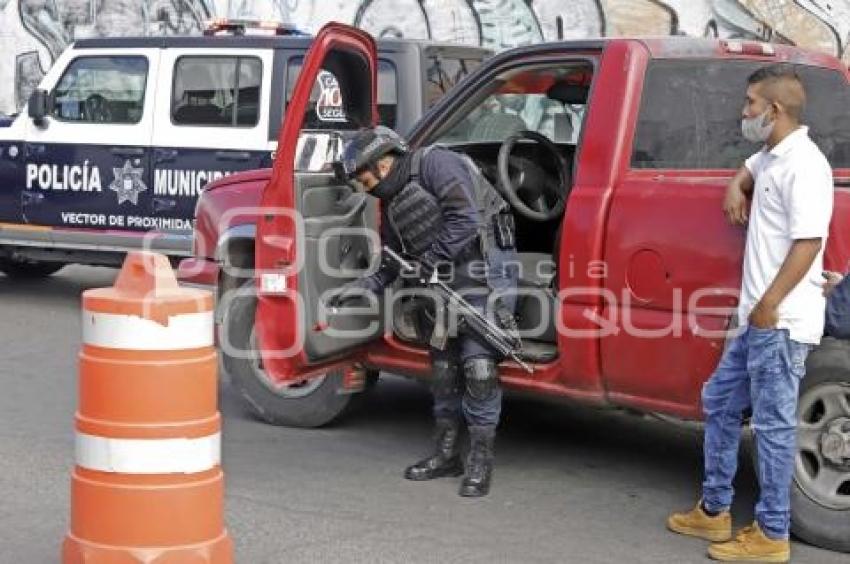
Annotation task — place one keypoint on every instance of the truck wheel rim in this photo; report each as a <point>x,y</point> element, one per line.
<point>300,389</point>
<point>823,437</point>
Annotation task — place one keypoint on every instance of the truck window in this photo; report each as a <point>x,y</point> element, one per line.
<point>102,90</point>
<point>549,100</point>
<point>326,104</point>
<point>219,91</point>
<point>690,116</point>
<point>443,73</point>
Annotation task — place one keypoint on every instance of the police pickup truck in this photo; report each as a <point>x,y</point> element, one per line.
<point>122,134</point>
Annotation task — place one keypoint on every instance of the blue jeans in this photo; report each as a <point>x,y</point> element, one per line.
<point>761,369</point>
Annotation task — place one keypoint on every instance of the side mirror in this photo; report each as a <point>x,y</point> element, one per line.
<point>38,106</point>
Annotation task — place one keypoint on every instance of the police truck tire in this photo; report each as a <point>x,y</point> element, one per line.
<point>28,270</point>
<point>311,403</point>
<point>819,517</point>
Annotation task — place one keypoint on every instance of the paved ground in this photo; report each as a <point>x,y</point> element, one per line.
<point>572,485</point>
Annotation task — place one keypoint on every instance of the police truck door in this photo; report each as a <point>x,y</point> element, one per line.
<point>313,230</point>
<point>88,164</point>
<point>212,120</point>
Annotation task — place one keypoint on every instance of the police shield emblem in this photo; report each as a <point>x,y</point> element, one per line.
<point>128,183</point>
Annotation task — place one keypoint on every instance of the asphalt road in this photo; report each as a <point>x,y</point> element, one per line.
<point>572,484</point>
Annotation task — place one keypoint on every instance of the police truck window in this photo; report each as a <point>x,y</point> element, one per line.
<point>102,90</point>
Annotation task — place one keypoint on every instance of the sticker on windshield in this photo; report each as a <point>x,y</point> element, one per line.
<point>329,104</point>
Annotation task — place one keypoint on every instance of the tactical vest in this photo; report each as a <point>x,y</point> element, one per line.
<point>416,217</point>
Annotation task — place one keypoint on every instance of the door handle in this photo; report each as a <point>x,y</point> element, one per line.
<point>165,155</point>
<point>232,155</point>
<point>164,204</point>
<point>28,198</point>
<point>127,151</point>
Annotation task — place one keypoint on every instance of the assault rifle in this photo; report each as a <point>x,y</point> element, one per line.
<point>469,317</point>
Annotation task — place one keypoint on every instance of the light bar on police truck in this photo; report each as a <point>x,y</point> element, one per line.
<point>241,27</point>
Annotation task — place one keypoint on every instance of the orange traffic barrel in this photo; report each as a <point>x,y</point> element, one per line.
<point>147,485</point>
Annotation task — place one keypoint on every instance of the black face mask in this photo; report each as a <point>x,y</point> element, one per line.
<point>395,180</point>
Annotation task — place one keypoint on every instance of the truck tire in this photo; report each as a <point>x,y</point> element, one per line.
<point>820,492</point>
<point>311,403</point>
<point>28,269</point>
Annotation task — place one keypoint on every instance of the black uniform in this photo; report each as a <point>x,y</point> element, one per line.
<point>434,216</point>
<point>439,209</point>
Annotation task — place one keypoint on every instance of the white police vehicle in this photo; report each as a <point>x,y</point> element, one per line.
<point>122,134</point>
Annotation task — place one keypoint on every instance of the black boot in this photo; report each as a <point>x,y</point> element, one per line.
<point>445,461</point>
<point>479,464</point>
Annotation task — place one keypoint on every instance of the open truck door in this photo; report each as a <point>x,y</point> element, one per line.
<point>313,233</point>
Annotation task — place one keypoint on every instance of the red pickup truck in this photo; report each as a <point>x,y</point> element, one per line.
<point>615,155</point>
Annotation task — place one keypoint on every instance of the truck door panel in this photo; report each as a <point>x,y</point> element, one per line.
<point>212,121</point>
<point>289,276</point>
<point>674,260</point>
<point>88,166</point>
<point>335,222</point>
<point>675,277</point>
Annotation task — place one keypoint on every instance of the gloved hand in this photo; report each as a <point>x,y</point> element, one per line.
<point>348,292</point>
<point>428,263</point>
<point>426,267</point>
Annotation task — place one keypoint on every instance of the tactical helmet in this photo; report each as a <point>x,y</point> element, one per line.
<point>367,146</point>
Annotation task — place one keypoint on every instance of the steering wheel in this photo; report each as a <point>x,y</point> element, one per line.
<point>97,108</point>
<point>527,187</point>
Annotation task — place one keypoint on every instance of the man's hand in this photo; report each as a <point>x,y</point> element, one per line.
<point>764,316</point>
<point>431,269</point>
<point>736,204</point>
<point>833,279</point>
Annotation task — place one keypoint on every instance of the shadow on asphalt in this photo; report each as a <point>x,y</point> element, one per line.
<point>62,288</point>
<point>550,439</point>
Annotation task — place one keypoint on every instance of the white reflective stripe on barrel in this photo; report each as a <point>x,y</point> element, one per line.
<point>131,332</point>
<point>148,456</point>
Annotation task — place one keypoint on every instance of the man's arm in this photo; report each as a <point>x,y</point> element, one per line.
<point>387,270</point>
<point>445,175</point>
<point>795,266</point>
<point>738,193</point>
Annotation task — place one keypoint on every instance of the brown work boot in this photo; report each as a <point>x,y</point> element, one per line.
<point>697,523</point>
<point>751,545</point>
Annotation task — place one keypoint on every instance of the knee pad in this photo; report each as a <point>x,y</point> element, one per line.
<point>444,379</point>
<point>482,378</point>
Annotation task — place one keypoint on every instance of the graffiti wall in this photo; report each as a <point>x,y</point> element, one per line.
<point>34,32</point>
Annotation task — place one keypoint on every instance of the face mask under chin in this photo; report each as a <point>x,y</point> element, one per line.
<point>757,129</point>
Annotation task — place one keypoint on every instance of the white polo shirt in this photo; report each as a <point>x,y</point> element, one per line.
<point>792,200</point>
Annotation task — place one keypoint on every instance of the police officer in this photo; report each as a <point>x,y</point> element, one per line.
<point>439,209</point>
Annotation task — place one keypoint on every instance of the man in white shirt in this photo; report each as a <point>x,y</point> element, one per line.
<point>781,312</point>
